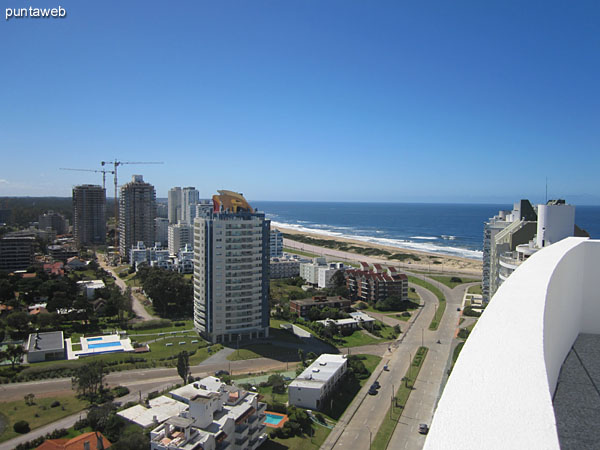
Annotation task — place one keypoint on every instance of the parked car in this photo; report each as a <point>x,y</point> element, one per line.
<point>386,368</point>
<point>220,373</point>
<point>423,428</point>
<point>458,309</point>
<point>372,391</point>
<point>376,385</point>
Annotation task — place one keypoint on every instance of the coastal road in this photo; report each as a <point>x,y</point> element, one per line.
<point>138,308</point>
<point>428,386</point>
<point>363,417</point>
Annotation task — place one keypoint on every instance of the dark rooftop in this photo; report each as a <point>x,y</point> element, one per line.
<point>577,396</point>
<point>53,340</point>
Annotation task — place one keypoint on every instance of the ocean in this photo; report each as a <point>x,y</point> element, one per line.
<point>452,229</point>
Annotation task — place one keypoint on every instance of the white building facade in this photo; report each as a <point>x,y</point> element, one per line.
<point>317,382</point>
<point>231,272</point>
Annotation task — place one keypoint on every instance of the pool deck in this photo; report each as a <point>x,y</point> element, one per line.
<point>284,419</point>
<point>124,345</point>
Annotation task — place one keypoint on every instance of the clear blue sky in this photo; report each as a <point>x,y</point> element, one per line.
<point>471,101</point>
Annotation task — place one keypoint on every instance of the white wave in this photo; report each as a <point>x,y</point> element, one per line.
<point>425,238</point>
<point>399,243</point>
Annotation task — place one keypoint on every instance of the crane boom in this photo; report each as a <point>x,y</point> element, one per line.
<point>104,172</point>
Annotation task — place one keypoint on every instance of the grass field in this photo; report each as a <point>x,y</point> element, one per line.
<point>299,252</point>
<point>439,313</point>
<point>38,414</point>
<point>303,442</point>
<point>386,429</point>
<point>452,284</point>
<point>264,351</point>
<point>475,290</point>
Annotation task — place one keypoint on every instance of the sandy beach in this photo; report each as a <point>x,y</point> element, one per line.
<point>433,262</point>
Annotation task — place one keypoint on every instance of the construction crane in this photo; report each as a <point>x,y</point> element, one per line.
<point>103,171</point>
<point>115,165</point>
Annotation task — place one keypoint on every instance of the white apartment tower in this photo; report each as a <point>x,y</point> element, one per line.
<point>189,199</point>
<point>180,235</point>
<point>231,271</point>
<point>137,211</point>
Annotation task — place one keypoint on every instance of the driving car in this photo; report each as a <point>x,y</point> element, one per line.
<point>423,428</point>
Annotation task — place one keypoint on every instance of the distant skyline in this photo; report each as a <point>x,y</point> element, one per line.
<point>307,100</point>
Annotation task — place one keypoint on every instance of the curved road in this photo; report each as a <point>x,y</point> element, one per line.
<point>138,308</point>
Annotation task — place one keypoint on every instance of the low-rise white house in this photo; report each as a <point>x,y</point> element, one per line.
<point>89,287</point>
<point>318,381</point>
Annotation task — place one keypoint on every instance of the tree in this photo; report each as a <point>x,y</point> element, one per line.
<point>89,379</point>
<point>183,365</point>
<point>301,356</point>
<point>133,441</point>
<point>29,399</point>
<point>14,354</point>
<point>18,321</point>
<point>278,383</point>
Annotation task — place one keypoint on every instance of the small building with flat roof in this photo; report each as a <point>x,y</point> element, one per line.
<point>318,381</point>
<point>46,346</point>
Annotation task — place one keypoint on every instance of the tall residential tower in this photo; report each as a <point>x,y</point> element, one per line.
<point>231,271</point>
<point>137,210</point>
<point>89,215</point>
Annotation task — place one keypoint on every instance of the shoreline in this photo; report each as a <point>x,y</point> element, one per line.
<point>425,261</point>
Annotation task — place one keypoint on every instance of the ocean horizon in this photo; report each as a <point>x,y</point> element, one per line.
<point>443,228</point>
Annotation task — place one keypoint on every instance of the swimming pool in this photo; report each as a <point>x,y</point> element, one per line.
<point>105,344</point>
<point>274,420</point>
<point>94,339</point>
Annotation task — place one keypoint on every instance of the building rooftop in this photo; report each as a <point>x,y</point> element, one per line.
<point>320,371</point>
<point>160,408</point>
<point>53,340</point>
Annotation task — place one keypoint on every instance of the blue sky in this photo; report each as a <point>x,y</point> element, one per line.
<point>307,100</point>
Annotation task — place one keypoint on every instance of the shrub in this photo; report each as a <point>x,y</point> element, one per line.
<point>82,423</point>
<point>277,407</point>
<point>21,427</point>
<point>120,391</point>
<point>149,324</point>
<point>54,404</point>
<point>362,305</point>
<point>455,280</point>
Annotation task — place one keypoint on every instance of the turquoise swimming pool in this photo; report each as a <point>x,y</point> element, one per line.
<point>273,419</point>
<point>105,344</point>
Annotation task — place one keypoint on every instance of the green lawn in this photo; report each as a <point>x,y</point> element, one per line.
<point>40,413</point>
<point>300,252</point>
<point>386,429</point>
<point>264,351</point>
<point>188,325</point>
<point>475,289</point>
<point>356,339</point>
<point>439,313</point>
<point>270,397</point>
<point>452,284</point>
<point>303,442</point>
<point>280,289</point>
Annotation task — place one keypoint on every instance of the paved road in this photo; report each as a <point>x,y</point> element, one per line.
<point>138,308</point>
<point>366,412</point>
<point>423,400</point>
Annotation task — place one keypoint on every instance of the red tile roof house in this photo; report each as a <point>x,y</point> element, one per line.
<point>87,441</point>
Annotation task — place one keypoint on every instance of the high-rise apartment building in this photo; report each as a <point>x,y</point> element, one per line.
<point>16,252</point>
<point>174,205</point>
<point>231,271</point>
<point>137,211</point>
<point>276,244</point>
<point>189,199</point>
<point>161,226</point>
<point>513,236</point>
<point>180,235</point>
<point>54,221</point>
<point>182,204</point>
<point>89,215</point>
